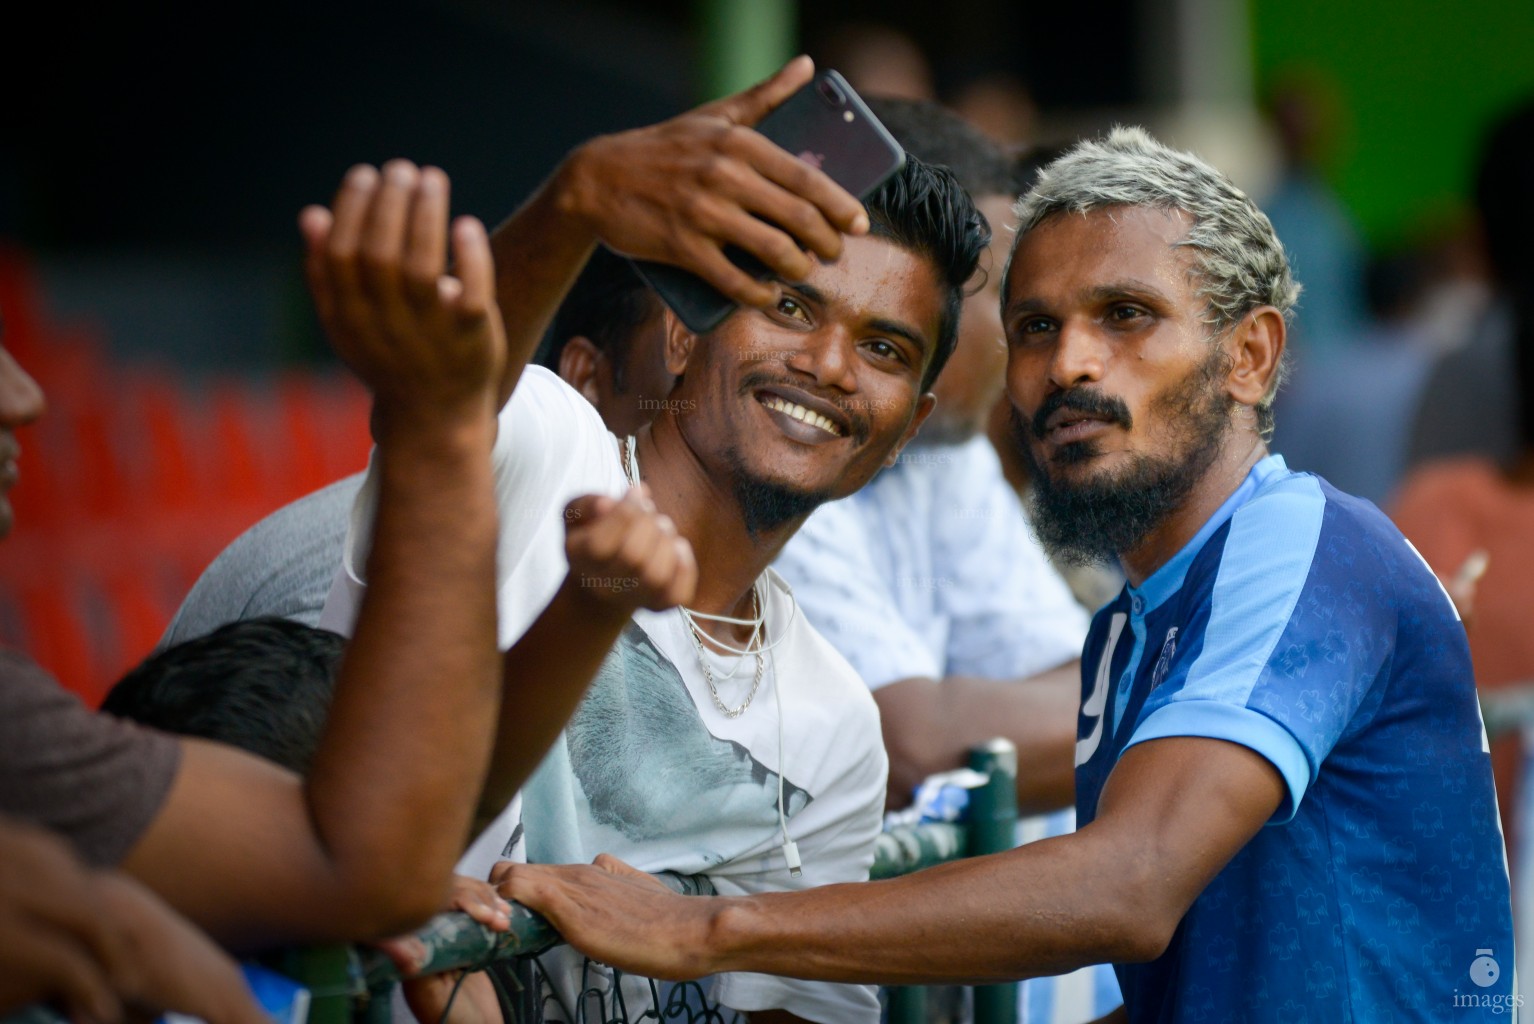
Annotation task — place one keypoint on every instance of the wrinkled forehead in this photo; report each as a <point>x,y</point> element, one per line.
<point>1106,242</point>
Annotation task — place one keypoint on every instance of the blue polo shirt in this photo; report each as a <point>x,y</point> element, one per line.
<point>1301,624</point>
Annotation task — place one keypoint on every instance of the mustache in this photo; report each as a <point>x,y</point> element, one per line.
<point>859,428</point>
<point>1093,403</point>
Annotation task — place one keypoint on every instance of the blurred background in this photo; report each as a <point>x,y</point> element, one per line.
<point>154,157</point>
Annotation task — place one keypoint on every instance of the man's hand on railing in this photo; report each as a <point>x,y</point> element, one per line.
<point>454,939</point>
<point>431,997</point>
<point>614,913</point>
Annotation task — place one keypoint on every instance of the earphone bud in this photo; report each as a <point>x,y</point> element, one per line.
<point>790,848</point>
<point>791,854</point>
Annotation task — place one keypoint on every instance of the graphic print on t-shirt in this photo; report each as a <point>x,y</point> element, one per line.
<point>650,769</point>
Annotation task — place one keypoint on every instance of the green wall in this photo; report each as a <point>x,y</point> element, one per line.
<point>1418,81</point>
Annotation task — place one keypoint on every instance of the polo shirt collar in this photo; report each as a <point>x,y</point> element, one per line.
<point>1168,579</point>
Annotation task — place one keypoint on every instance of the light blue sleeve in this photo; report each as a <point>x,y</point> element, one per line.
<point>1294,641</point>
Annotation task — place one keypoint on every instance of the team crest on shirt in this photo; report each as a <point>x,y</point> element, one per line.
<point>1164,663</point>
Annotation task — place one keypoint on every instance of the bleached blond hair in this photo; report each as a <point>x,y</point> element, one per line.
<point>1239,262</point>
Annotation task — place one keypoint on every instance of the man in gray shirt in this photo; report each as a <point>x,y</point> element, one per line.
<point>281,566</point>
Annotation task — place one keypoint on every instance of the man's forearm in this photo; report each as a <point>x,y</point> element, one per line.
<point>432,572</point>
<point>539,251</point>
<point>1171,816</point>
<point>546,673</point>
<point>969,922</point>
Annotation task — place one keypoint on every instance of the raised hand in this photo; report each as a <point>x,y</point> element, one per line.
<point>626,555</point>
<point>427,342</point>
<point>681,190</point>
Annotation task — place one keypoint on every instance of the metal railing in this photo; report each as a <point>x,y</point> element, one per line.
<point>989,826</point>
<point>352,984</point>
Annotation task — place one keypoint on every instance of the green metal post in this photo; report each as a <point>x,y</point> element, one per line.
<point>376,1008</point>
<point>992,829</point>
<point>332,976</point>
<point>741,42</point>
<point>907,1005</point>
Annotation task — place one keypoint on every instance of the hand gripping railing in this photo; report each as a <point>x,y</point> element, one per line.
<point>350,984</point>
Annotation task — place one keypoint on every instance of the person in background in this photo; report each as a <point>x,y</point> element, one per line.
<point>1305,111</point>
<point>1472,516</point>
<point>877,60</point>
<point>263,685</point>
<point>608,342</point>
<point>283,565</point>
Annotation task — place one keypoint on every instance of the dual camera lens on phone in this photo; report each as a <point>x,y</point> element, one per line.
<point>830,93</point>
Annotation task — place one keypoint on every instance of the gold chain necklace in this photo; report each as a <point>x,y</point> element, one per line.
<point>708,673</point>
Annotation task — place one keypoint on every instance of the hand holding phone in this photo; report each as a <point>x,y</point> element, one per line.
<point>678,192</point>
<point>826,125</point>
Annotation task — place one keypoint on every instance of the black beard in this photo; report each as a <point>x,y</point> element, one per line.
<point>765,505</point>
<point>1095,521</point>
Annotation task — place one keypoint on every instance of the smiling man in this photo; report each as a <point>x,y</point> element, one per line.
<point>727,738</point>
<point>1285,799</point>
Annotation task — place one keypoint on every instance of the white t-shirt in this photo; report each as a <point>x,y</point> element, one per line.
<point>648,769</point>
<point>930,571</point>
